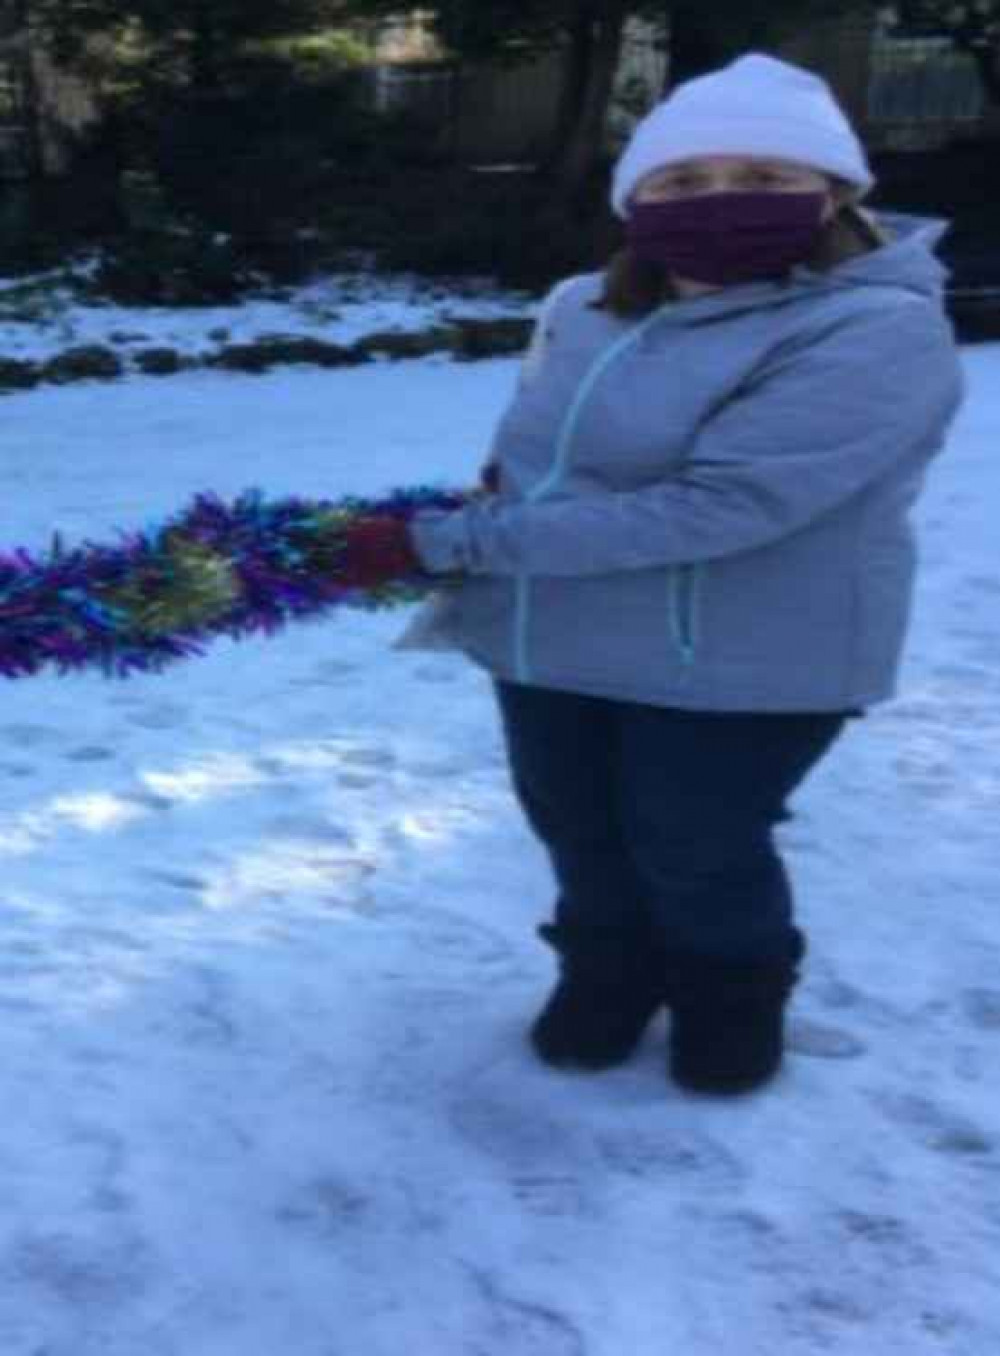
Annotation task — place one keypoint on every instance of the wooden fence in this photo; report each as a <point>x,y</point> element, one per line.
<point>906,94</point>
<point>483,112</point>
<point>922,93</point>
<point>494,113</point>
<point>13,158</point>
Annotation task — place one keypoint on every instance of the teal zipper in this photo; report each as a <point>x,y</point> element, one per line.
<point>560,464</point>
<point>685,611</point>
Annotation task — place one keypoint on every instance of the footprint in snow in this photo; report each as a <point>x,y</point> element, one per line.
<point>334,671</point>
<point>79,1273</point>
<point>177,880</point>
<point>363,767</point>
<point>754,1225</point>
<point>834,993</point>
<point>983,583</point>
<point>110,1153</point>
<point>819,1041</point>
<point>801,844</point>
<point>147,800</point>
<point>27,736</point>
<point>675,1157</point>
<point>326,1207</point>
<point>935,1127</point>
<point>946,1323</point>
<point>926,775</point>
<point>25,960</point>
<point>305,681</point>
<point>84,940</point>
<point>888,1235</point>
<point>445,935</point>
<point>435,673</point>
<point>526,1326</point>
<point>979,645</point>
<point>549,1195</point>
<point>523,1139</point>
<point>89,753</point>
<point>162,717</point>
<point>272,766</point>
<point>437,769</point>
<point>832,1307</point>
<point>368,757</point>
<point>982,1008</point>
<point>205,1022</point>
<point>16,770</point>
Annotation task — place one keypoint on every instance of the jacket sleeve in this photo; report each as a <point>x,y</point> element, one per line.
<point>812,429</point>
<point>531,363</point>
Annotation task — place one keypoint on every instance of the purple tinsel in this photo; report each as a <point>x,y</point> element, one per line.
<point>54,608</point>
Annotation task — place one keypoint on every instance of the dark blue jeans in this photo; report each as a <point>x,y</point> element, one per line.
<point>661,821</point>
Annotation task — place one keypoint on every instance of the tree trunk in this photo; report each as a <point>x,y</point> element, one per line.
<point>205,62</point>
<point>987,60</point>
<point>595,53</point>
<point>701,42</point>
<point>573,91</point>
<point>696,44</point>
<point>29,94</point>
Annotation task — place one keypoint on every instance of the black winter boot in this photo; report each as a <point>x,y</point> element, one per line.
<point>609,989</point>
<point>727,1033</point>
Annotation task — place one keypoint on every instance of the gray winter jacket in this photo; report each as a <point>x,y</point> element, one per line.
<point>708,508</point>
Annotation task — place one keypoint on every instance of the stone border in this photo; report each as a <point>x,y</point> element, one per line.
<point>465,340</point>
<point>975,313</point>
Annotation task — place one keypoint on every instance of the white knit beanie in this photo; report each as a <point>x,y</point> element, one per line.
<point>757,105</point>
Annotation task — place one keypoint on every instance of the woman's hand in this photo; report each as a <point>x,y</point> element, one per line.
<point>378,551</point>
<point>489,478</point>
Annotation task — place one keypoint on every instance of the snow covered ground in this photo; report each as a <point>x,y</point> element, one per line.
<point>267,954</point>
<point>42,316</point>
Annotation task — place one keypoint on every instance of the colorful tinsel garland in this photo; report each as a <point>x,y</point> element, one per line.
<point>216,568</point>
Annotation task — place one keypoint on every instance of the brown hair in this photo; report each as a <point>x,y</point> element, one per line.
<point>635,288</point>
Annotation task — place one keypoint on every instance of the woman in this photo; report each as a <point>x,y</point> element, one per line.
<point>697,565</point>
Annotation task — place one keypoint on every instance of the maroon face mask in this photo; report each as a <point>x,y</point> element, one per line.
<point>725,238</point>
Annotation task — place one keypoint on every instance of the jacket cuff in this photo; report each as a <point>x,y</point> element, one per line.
<point>441,541</point>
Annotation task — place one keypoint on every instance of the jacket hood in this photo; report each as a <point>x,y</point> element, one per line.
<point>907,260</point>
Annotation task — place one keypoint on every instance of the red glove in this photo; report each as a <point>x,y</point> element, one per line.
<point>378,551</point>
